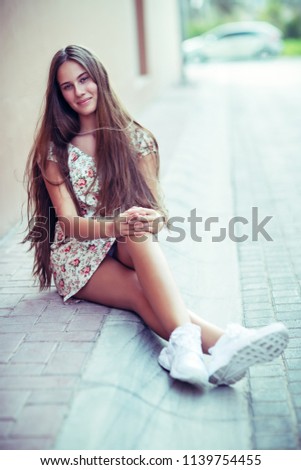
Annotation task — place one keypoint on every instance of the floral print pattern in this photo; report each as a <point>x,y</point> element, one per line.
<point>73,262</point>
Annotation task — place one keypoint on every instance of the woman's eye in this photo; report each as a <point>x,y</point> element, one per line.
<point>67,87</point>
<point>83,79</point>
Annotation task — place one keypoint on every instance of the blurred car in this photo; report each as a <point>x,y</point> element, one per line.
<point>230,41</point>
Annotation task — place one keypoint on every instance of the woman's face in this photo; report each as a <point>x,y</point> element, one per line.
<point>77,87</point>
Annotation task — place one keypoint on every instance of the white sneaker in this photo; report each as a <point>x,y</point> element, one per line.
<point>183,356</point>
<point>239,348</point>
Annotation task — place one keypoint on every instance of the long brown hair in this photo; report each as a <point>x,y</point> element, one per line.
<point>122,184</point>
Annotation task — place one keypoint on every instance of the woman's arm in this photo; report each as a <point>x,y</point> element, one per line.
<point>79,227</point>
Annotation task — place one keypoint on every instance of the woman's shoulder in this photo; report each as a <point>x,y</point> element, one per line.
<point>143,140</point>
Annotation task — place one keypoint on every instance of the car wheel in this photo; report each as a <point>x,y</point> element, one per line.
<point>263,54</point>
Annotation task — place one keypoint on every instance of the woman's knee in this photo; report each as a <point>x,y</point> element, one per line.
<point>139,246</point>
<point>130,247</point>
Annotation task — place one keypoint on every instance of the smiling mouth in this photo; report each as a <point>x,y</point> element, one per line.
<point>83,101</point>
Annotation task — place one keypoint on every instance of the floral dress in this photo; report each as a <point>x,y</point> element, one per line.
<point>73,261</point>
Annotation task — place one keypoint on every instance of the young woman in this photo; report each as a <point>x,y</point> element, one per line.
<point>95,206</point>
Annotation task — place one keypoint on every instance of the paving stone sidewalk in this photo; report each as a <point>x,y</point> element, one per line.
<point>84,376</point>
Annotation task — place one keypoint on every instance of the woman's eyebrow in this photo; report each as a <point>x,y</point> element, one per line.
<point>80,75</point>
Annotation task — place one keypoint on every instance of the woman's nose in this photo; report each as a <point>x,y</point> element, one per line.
<point>78,89</point>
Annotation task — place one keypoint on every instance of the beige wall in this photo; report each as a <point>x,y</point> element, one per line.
<point>31,31</point>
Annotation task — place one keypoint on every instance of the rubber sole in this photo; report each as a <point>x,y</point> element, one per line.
<point>263,349</point>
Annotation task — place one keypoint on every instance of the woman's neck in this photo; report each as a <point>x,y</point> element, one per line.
<point>87,124</point>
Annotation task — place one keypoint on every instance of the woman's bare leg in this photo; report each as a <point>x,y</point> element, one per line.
<point>156,280</point>
<point>209,332</point>
<point>117,286</point>
<point>159,287</point>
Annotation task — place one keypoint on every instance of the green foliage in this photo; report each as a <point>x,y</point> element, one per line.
<point>224,6</point>
<point>273,13</point>
<point>293,27</point>
<point>285,15</point>
<point>195,28</point>
<point>292,47</point>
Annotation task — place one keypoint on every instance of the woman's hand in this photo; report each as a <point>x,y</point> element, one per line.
<point>138,221</point>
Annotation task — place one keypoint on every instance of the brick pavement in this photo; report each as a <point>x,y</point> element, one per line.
<point>266,145</point>
<point>44,347</point>
<point>64,370</point>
